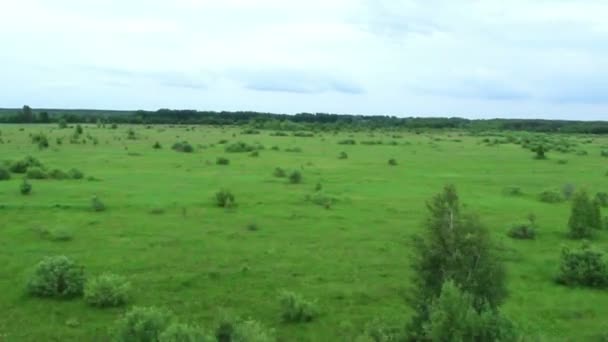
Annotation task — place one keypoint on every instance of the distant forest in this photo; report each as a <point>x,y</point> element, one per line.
<point>293,122</point>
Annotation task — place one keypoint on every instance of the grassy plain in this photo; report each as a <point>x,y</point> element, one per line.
<point>180,251</point>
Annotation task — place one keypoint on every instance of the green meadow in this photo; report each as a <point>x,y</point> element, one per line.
<point>341,238</point>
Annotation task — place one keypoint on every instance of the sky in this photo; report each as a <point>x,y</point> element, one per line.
<point>466,58</point>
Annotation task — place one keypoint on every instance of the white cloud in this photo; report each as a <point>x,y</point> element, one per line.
<point>411,57</point>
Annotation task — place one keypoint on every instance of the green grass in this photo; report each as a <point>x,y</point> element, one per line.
<point>163,230</point>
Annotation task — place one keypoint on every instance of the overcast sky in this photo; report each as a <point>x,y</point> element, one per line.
<point>470,58</point>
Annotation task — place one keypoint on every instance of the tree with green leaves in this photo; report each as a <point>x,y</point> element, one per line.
<point>26,114</point>
<point>585,216</point>
<point>454,247</point>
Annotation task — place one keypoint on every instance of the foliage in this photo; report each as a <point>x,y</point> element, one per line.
<point>4,174</point>
<point>295,177</point>
<point>524,231</point>
<point>347,142</point>
<point>392,162</point>
<point>157,146</point>
<point>179,332</point>
<point>25,188</point>
<point>584,216</point>
<point>296,309</point>
<point>540,152</point>
<point>97,204</point>
<point>601,198</point>
<point>142,324</point>
<point>568,190</point>
<point>343,155</point>
<point>182,146</point>
<point>512,191</point>
<point>58,174</point>
<point>583,267</point>
<point>36,173</point>
<point>57,276</point>
<point>107,290</point>
<point>21,166</point>
<point>455,247</point>
<point>239,147</point>
<point>279,172</point>
<point>231,329</point>
<point>222,161</point>
<point>224,198</point>
<point>550,196</point>
<point>75,174</point>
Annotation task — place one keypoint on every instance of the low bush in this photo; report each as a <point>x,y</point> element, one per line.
<point>303,134</point>
<point>21,166</point>
<point>512,191</point>
<point>347,142</point>
<point>568,190</point>
<point>25,188</point>
<point>550,196</point>
<point>295,177</point>
<point>58,174</point>
<point>279,172</point>
<point>602,199</point>
<point>250,131</point>
<point>4,174</point>
<point>57,235</point>
<point>97,205</point>
<point>157,146</point>
<point>239,147</point>
<point>279,134</point>
<point>107,290</point>
<point>296,309</point>
<point>343,155</point>
<point>293,149</point>
<point>182,146</point>
<point>254,154</point>
<point>522,231</point>
<point>58,277</point>
<point>36,173</point>
<point>142,324</point>
<point>179,332</point>
<point>583,267</point>
<point>224,198</point>
<point>392,162</point>
<point>231,329</point>
<point>222,161</point>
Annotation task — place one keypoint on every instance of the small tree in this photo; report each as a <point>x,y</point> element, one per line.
<point>25,188</point>
<point>455,247</point>
<point>540,152</point>
<point>584,216</point>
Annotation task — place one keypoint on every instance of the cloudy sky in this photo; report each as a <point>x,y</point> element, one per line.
<point>470,58</point>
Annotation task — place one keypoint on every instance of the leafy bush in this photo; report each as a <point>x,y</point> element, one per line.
<point>583,267</point>
<point>250,131</point>
<point>568,190</point>
<point>279,172</point>
<point>182,146</point>
<point>585,216</point>
<point>347,142</point>
<point>224,198</point>
<point>36,173</point>
<point>58,277</point>
<point>522,231</point>
<point>601,198</point>
<point>512,191</point>
<point>142,324</point>
<point>343,155</point>
<point>58,234</point>
<point>97,204</point>
<point>157,146</point>
<point>279,134</point>
<point>239,147</point>
<point>540,152</point>
<point>550,196</point>
<point>4,174</point>
<point>179,332</point>
<point>254,154</point>
<point>222,161</point>
<point>231,329</point>
<point>392,162</point>
<point>107,290</point>
<point>322,199</point>
<point>604,153</point>
<point>21,166</point>
<point>296,309</point>
<point>293,149</point>
<point>295,177</point>
<point>58,174</point>
<point>25,188</point>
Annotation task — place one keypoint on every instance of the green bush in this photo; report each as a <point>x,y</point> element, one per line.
<point>585,216</point>
<point>279,172</point>
<point>182,146</point>
<point>157,146</point>
<point>58,277</point>
<point>21,166</point>
<point>4,174</point>
<point>231,329</point>
<point>97,204</point>
<point>239,147</point>
<point>568,190</point>
<point>296,309</point>
<point>583,267</point>
<point>222,161</point>
<point>347,142</point>
<point>392,162</point>
<point>293,149</point>
<point>295,177</point>
<point>512,191</point>
<point>550,196</point>
<point>75,173</point>
<point>522,231</point>
<point>142,324</point>
<point>343,155</point>
<point>224,198</point>
<point>601,198</point>
<point>58,174</point>
<point>25,188</point>
<point>254,154</point>
<point>107,290</point>
<point>36,173</point>
<point>179,332</point>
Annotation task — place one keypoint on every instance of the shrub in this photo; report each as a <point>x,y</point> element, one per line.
<point>512,191</point>
<point>583,267</point>
<point>58,277</point>
<point>568,190</point>
<point>550,196</point>
<point>25,188</point>
<point>239,147</point>
<point>236,330</point>
<point>224,198</point>
<point>303,134</point>
<point>21,166</point>
<point>293,149</point>
<point>107,290</point>
<point>279,172</point>
<point>392,162</point>
<point>58,174</point>
<point>4,174</point>
<point>279,134</point>
<point>276,148</point>
<point>604,153</point>
<point>347,142</point>
<point>182,146</point>
<point>250,131</point>
<point>58,235</point>
<point>142,324</point>
<point>97,204</point>
<point>157,146</point>
<point>540,152</point>
<point>584,216</point>
<point>319,198</point>
<point>178,332</point>
<point>295,177</point>
<point>222,161</point>
<point>62,124</point>
<point>601,198</point>
<point>36,173</point>
<point>295,309</point>
<point>522,231</point>
<point>254,154</point>
<point>343,155</point>
<point>78,130</point>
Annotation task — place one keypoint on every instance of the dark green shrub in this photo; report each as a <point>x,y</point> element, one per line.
<point>131,134</point>
<point>78,130</point>
<point>295,177</point>
<point>25,188</point>
<point>239,147</point>
<point>58,174</point>
<point>21,166</point>
<point>512,191</point>
<point>97,205</point>
<point>550,196</point>
<point>583,267</point>
<point>75,174</point>
<point>601,198</point>
<point>392,162</point>
<point>182,146</point>
<point>568,190</point>
<point>303,134</point>
<point>4,174</point>
<point>58,277</point>
<point>293,149</point>
<point>107,290</point>
<point>222,161</point>
<point>231,329</point>
<point>347,142</point>
<point>562,162</point>
<point>321,199</point>
<point>604,153</point>
<point>224,198</point>
<point>343,155</point>
<point>142,324</point>
<point>276,148</point>
<point>57,235</point>
<point>36,173</point>
<point>295,309</point>
<point>279,134</point>
<point>157,146</point>
<point>250,131</point>
<point>254,154</point>
<point>584,216</point>
<point>178,332</point>
<point>279,172</point>
<point>522,231</point>
<point>41,140</point>
<point>540,152</point>
<point>62,124</point>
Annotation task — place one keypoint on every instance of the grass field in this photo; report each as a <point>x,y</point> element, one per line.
<point>164,232</point>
